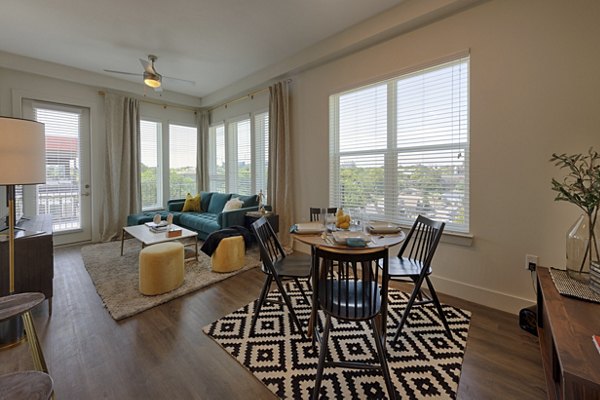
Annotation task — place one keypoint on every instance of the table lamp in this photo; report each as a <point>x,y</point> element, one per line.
<point>22,162</point>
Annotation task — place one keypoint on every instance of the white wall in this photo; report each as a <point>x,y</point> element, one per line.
<point>14,84</point>
<point>534,90</point>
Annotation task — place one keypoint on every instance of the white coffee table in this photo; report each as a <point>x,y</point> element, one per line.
<point>147,237</point>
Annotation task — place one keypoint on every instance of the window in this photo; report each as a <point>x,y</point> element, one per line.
<point>183,158</point>
<point>216,162</point>
<point>150,171</point>
<point>400,148</point>
<point>168,162</point>
<point>240,179</point>
<point>60,195</point>
<point>238,155</point>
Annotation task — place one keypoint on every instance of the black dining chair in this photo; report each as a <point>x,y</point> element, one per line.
<point>347,288</point>
<point>278,266</point>
<point>315,213</point>
<point>413,264</point>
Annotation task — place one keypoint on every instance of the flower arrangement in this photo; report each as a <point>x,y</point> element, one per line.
<point>581,186</point>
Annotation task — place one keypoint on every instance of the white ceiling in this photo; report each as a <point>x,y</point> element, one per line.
<point>212,42</point>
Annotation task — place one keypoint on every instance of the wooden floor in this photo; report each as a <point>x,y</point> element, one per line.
<point>163,354</point>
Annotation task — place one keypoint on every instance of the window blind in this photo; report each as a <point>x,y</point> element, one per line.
<point>60,195</point>
<point>150,169</point>
<point>183,152</point>
<point>400,148</point>
<point>241,157</point>
<point>216,162</point>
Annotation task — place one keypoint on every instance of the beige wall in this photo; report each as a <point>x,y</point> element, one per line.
<point>535,90</point>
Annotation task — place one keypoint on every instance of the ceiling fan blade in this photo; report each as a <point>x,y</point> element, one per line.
<point>186,81</point>
<point>147,66</point>
<point>121,72</point>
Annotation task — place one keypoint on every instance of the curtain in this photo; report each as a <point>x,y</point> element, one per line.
<point>280,186</point>
<point>202,164</point>
<point>122,167</point>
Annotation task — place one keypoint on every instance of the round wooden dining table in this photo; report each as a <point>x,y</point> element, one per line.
<point>376,242</point>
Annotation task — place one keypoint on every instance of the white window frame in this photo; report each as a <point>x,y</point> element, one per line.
<point>230,138</point>
<point>163,160</point>
<point>390,152</point>
<point>159,167</point>
<point>167,188</point>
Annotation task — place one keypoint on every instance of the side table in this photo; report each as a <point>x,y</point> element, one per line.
<point>253,216</point>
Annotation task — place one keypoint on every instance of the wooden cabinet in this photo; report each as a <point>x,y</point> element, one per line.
<point>34,258</point>
<point>565,327</point>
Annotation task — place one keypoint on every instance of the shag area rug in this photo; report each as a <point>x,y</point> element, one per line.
<point>116,277</point>
<point>424,363</point>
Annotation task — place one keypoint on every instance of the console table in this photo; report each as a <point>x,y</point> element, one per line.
<point>34,258</point>
<point>565,327</point>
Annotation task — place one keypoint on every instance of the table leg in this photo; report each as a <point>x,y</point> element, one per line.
<point>196,244</point>
<point>122,240</point>
<point>313,312</point>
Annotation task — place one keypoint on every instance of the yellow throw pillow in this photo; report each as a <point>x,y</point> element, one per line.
<point>191,203</point>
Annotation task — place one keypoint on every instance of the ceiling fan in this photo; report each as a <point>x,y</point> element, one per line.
<point>151,76</point>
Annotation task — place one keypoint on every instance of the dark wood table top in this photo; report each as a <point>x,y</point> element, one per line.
<point>573,322</point>
<point>17,304</point>
<point>26,385</point>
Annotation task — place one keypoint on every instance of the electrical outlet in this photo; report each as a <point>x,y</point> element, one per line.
<point>531,262</point>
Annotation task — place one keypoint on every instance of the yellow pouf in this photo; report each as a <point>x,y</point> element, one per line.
<point>229,255</point>
<point>161,268</point>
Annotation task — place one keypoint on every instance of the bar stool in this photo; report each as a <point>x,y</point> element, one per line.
<point>21,304</point>
<point>26,385</point>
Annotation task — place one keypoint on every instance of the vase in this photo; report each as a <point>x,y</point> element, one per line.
<point>577,244</point>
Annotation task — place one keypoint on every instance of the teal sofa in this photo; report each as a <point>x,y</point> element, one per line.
<point>211,218</point>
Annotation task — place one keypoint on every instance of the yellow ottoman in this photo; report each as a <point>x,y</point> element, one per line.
<point>161,268</point>
<point>229,255</point>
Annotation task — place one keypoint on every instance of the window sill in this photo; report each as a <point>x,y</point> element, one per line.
<point>157,208</point>
<point>458,239</point>
<point>455,238</point>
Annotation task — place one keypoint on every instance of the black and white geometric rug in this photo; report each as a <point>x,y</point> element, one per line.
<point>423,364</point>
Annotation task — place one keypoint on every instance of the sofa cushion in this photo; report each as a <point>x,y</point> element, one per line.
<point>192,203</point>
<point>249,201</point>
<point>217,202</point>
<point>200,222</point>
<point>205,200</point>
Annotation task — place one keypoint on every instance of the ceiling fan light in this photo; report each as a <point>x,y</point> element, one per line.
<point>152,80</point>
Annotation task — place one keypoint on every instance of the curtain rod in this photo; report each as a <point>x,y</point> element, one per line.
<point>250,95</point>
<point>163,105</point>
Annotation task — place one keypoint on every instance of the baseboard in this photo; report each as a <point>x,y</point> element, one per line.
<point>489,298</point>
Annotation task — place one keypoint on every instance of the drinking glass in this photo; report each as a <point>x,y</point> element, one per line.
<point>323,217</point>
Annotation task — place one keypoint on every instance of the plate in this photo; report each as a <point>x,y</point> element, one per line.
<point>384,227</point>
<point>342,236</point>
<point>307,228</point>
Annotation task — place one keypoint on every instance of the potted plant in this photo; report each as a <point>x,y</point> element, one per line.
<point>581,186</point>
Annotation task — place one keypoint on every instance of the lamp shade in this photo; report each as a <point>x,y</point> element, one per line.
<point>22,152</point>
<point>152,79</point>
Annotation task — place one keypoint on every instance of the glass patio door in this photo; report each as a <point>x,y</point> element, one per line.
<point>66,193</point>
